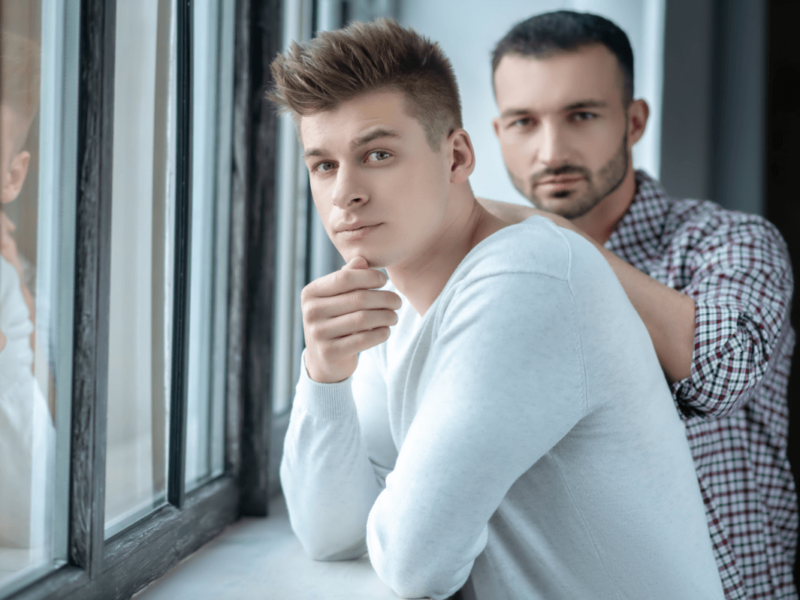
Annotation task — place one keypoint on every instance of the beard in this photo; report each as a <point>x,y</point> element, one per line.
<point>598,185</point>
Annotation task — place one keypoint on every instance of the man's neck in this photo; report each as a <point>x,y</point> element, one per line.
<point>600,222</point>
<point>423,278</point>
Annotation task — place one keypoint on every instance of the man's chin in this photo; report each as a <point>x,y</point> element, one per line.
<point>373,261</point>
<point>566,206</point>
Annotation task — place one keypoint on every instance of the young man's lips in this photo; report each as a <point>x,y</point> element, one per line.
<point>357,232</point>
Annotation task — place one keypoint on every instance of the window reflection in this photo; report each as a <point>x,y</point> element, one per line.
<point>28,286</point>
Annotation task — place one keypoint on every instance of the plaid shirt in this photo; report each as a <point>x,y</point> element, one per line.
<point>736,268</point>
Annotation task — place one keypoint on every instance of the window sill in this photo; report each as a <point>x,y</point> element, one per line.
<point>262,559</point>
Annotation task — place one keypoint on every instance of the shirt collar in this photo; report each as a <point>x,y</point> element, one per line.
<point>638,234</point>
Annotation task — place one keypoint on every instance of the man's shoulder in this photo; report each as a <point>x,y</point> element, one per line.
<point>535,246</point>
<point>696,222</point>
<point>703,225</point>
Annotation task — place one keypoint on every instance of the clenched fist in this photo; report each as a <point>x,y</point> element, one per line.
<point>344,314</point>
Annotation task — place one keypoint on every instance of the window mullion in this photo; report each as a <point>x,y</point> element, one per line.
<point>259,33</point>
<point>92,284</point>
<point>183,218</point>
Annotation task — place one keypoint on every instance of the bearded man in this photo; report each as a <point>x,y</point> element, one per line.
<point>713,286</point>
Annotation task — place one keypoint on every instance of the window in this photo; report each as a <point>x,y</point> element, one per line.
<point>35,284</point>
<point>136,286</point>
<point>151,207</point>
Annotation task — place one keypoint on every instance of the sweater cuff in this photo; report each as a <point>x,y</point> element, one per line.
<point>324,400</point>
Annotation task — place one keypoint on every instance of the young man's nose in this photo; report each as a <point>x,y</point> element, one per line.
<point>348,191</point>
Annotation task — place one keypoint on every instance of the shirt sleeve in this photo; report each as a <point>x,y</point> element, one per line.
<point>476,429</point>
<point>742,287</point>
<point>331,473</point>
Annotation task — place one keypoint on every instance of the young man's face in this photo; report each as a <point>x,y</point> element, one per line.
<point>380,189</point>
<point>563,127</point>
<point>13,163</point>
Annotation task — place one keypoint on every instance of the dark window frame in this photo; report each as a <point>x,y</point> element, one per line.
<point>129,561</point>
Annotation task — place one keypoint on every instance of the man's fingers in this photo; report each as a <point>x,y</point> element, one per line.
<point>343,281</point>
<point>352,323</point>
<point>345,313</point>
<point>316,309</point>
<point>362,341</point>
<point>6,223</point>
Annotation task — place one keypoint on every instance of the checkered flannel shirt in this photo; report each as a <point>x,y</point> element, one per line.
<point>736,268</point>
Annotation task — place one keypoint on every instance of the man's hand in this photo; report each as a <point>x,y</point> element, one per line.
<point>516,213</point>
<point>344,314</point>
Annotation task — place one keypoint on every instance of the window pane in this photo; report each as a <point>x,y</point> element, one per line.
<point>293,229</point>
<point>39,53</point>
<point>211,157</point>
<point>141,262</point>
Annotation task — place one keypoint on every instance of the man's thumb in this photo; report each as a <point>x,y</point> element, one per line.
<point>357,262</point>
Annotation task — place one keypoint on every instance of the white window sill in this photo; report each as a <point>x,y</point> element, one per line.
<point>262,559</point>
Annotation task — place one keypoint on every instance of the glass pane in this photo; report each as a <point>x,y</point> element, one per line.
<point>141,262</point>
<point>212,82</point>
<point>293,230</point>
<point>39,53</point>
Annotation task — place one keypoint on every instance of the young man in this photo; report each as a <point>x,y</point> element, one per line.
<point>514,431</point>
<point>27,434</point>
<point>19,103</point>
<point>712,286</point>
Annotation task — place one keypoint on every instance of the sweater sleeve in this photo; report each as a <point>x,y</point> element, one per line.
<point>27,435</point>
<point>330,472</point>
<point>500,389</point>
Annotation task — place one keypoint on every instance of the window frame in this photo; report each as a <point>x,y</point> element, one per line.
<point>127,562</point>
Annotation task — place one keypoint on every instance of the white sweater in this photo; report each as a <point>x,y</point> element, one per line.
<point>27,435</point>
<point>520,434</point>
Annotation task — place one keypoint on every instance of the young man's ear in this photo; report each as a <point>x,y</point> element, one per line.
<point>638,112</point>
<point>462,156</point>
<point>15,177</point>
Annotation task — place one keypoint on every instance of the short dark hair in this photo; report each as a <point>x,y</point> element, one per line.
<point>364,57</point>
<point>565,30</point>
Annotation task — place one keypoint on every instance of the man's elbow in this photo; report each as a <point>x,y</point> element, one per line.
<point>415,575</point>
<point>327,550</point>
<point>424,583</point>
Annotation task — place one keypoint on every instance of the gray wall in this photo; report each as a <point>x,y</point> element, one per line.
<point>713,130</point>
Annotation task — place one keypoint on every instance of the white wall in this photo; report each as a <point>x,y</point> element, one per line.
<point>468,30</point>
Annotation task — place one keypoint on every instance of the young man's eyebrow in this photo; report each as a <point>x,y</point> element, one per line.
<point>514,112</point>
<point>373,135</point>
<point>583,104</point>
<point>358,142</point>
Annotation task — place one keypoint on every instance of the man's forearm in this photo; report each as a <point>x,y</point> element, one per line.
<point>668,315</point>
<point>327,478</point>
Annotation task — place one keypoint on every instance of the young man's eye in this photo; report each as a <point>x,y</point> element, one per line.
<point>582,116</point>
<point>523,122</point>
<point>324,167</point>
<point>377,155</point>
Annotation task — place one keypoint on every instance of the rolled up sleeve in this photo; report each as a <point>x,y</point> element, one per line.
<point>742,287</point>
